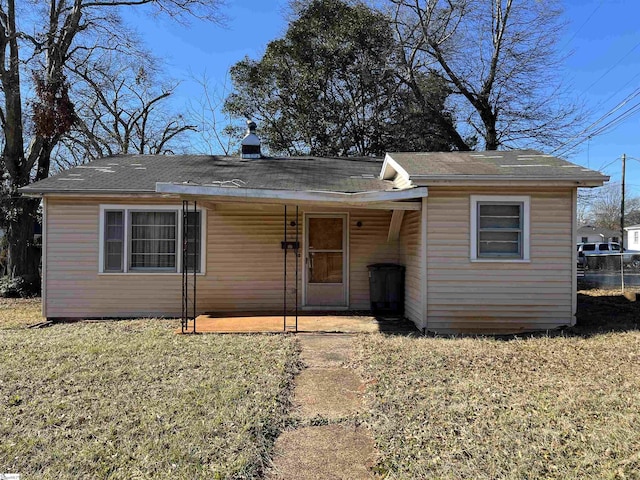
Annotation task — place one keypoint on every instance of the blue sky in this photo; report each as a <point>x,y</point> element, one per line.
<point>603,68</point>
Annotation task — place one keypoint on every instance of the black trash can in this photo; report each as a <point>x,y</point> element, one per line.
<point>386,288</point>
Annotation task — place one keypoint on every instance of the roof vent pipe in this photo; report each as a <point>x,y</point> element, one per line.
<point>251,142</point>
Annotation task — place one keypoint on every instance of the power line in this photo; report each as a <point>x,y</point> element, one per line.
<point>609,164</point>
<point>618,120</point>
<point>618,91</point>
<point>613,66</point>
<point>582,26</point>
<point>586,134</point>
<point>610,112</point>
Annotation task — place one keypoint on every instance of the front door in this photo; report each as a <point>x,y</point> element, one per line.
<point>326,260</point>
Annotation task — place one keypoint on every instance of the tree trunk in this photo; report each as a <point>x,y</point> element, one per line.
<point>491,139</point>
<point>23,256</point>
<point>489,121</point>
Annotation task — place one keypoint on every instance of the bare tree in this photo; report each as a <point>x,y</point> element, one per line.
<point>58,32</point>
<point>121,108</point>
<point>500,60</point>
<point>604,207</point>
<point>217,131</point>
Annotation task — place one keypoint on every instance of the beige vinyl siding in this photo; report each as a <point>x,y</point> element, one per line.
<point>74,287</point>
<point>467,296</point>
<point>368,244</point>
<point>245,269</point>
<point>410,256</point>
<point>244,262</point>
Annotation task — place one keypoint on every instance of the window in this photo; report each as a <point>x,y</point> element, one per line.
<point>194,235</point>
<point>635,237</point>
<point>585,239</point>
<point>113,240</point>
<point>153,238</point>
<point>603,247</point>
<point>499,228</point>
<point>148,240</point>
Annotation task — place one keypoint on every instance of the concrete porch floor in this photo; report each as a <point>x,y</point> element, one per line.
<point>328,323</point>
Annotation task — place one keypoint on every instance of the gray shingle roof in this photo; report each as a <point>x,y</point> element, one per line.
<point>587,229</point>
<point>139,173</point>
<point>521,164</point>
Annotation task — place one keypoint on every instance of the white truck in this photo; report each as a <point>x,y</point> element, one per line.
<point>605,254</point>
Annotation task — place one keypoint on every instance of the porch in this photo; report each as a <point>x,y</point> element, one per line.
<point>349,322</point>
<point>265,257</point>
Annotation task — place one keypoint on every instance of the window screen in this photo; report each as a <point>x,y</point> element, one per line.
<point>153,241</point>
<point>192,228</point>
<point>499,230</point>
<point>113,241</point>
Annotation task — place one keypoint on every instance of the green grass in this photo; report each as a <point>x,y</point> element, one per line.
<point>130,399</point>
<point>532,408</point>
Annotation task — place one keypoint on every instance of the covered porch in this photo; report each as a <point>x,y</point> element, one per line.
<point>284,255</point>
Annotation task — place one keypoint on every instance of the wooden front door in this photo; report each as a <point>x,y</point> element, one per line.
<point>326,260</point>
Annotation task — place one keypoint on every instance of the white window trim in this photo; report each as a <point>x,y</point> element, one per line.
<point>146,208</point>
<point>525,200</point>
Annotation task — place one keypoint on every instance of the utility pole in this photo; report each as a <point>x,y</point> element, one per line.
<point>624,167</point>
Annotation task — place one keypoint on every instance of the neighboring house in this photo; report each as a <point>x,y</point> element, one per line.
<point>591,234</point>
<point>487,238</point>
<point>633,237</point>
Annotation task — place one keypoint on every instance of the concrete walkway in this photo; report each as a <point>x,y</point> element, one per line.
<point>329,444</point>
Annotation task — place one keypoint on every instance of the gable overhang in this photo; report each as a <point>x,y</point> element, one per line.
<point>391,169</point>
<point>407,199</point>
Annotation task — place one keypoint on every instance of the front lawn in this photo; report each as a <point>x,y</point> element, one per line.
<point>563,407</point>
<point>131,399</point>
<point>19,312</point>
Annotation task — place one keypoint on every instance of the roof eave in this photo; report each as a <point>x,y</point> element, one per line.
<point>293,195</point>
<point>93,192</point>
<point>494,180</point>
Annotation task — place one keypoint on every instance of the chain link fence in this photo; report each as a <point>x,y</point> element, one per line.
<point>610,271</point>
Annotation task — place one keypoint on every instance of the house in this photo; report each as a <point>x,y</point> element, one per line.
<point>591,234</point>
<point>633,237</point>
<point>487,238</point>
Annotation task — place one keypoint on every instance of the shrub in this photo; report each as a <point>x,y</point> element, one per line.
<point>19,287</point>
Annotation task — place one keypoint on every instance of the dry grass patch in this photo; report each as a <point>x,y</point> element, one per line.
<point>19,312</point>
<point>485,408</point>
<point>130,399</point>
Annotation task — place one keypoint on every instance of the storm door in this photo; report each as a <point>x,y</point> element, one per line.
<point>326,260</point>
